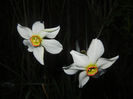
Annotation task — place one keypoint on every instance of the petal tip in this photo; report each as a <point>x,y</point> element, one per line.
<point>39,54</point>
<point>37,22</point>
<point>69,70</point>
<point>72,51</point>
<point>117,56</point>
<point>96,39</point>
<point>42,63</point>
<point>58,27</point>
<point>80,86</point>
<point>18,26</point>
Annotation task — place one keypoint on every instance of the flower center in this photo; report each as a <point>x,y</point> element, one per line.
<point>36,40</point>
<point>91,69</point>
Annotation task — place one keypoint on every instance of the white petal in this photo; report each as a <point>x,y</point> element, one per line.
<point>79,59</point>
<point>37,27</point>
<point>25,32</point>
<point>28,43</point>
<point>38,52</point>
<point>104,63</point>
<point>83,78</point>
<point>52,46</point>
<point>95,50</point>
<point>42,34</point>
<point>70,70</point>
<point>52,32</point>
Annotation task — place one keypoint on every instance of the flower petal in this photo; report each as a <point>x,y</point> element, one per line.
<point>42,34</point>
<point>79,59</point>
<point>70,70</point>
<point>37,27</point>
<point>83,78</point>
<point>104,63</point>
<point>52,32</point>
<point>95,50</point>
<point>27,43</point>
<point>52,46</point>
<point>38,52</point>
<point>25,32</point>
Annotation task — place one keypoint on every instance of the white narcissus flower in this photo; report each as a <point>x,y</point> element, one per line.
<point>35,42</point>
<point>91,64</point>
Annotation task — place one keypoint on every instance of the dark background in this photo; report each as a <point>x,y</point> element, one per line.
<point>22,77</point>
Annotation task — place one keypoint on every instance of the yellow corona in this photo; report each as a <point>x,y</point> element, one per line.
<point>91,69</point>
<point>36,40</point>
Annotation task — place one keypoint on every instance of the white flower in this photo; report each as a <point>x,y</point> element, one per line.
<point>35,42</point>
<point>90,64</point>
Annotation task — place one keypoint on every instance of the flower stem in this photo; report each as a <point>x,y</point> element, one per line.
<point>44,90</point>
